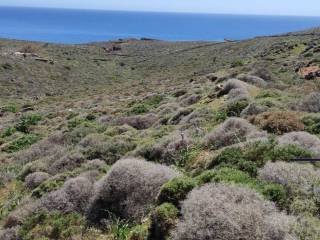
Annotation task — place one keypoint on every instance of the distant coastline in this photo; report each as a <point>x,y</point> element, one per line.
<point>69,26</point>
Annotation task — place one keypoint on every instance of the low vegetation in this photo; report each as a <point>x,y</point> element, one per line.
<point>163,140</point>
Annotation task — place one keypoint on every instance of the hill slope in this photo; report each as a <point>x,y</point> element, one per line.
<point>127,137</point>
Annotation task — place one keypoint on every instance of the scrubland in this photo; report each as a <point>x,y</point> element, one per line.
<point>145,139</point>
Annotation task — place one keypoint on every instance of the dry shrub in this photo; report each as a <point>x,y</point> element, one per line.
<point>235,85</point>
<point>191,100</point>
<point>66,163</point>
<point>139,121</point>
<point>167,108</point>
<point>219,211</point>
<point>91,175</point>
<point>27,207</point>
<point>33,180</point>
<point>311,103</point>
<point>279,122</point>
<point>105,119</point>
<point>129,190</point>
<point>253,109</point>
<point>168,149</point>
<point>95,164</point>
<point>179,115</point>
<point>52,145</point>
<point>294,176</point>
<point>254,80</point>
<point>29,48</point>
<point>232,131</point>
<point>238,94</point>
<point>74,196</point>
<point>108,149</point>
<point>302,139</point>
<point>262,72</point>
<point>9,234</point>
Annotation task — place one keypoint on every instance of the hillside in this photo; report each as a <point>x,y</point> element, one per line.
<point>146,139</point>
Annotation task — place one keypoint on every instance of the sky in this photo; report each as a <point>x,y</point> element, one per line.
<point>265,7</point>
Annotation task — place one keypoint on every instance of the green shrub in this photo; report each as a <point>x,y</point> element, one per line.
<point>185,155</point>
<point>48,186</point>
<point>140,109</point>
<point>205,177</point>
<point>8,132</point>
<point>234,108</point>
<point>256,154</point>
<point>10,108</point>
<point>233,176</point>
<point>272,192</point>
<point>119,229</point>
<point>220,116</point>
<point>76,122</point>
<point>237,63</point>
<point>26,121</point>
<point>139,232</point>
<point>269,94</point>
<point>110,150</point>
<point>163,219</point>
<point>275,193</point>
<point>146,105</point>
<point>235,157</point>
<point>80,130</point>
<point>21,143</point>
<point>52,226</point>
<point>312,124</point>
<point>12,201</point>
<point>176,190</point>
<point>287,153</point>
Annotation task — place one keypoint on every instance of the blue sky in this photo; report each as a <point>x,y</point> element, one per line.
<point>269,7</point>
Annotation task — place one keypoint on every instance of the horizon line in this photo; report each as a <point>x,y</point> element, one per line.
<point>155,11</point>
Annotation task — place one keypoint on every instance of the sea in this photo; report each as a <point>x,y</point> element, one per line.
<point>68,26</point>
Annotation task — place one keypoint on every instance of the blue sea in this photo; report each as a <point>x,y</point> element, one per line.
<point>82,26</point>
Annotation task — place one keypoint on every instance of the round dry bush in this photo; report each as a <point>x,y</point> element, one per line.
<point>190,100</point>
<point>219,211</point>
<point>254,80</point>
<point>311,103</point>
<point>238,94</point>
<point>33,180</point>
<point>139,121</point>
<point>66,163</point>
<point>279,122</point>
<point>253,109</point>
<point>294,176</point>
<point>168,150</point>
<point>74,196</point>
<point>232,131</point>
<point>52,145</point>
<point>233,84</point>
<point>302,139</point>
<point>128,190</point>
<point>9,234</point>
